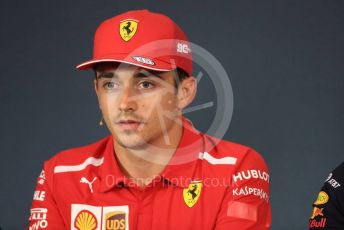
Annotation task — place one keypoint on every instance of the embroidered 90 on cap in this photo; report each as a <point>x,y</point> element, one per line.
<point>142,38</point>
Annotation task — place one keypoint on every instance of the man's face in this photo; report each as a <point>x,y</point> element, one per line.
<point>139,106</point>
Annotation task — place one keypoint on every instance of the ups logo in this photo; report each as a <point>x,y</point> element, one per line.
<point>115,221</point>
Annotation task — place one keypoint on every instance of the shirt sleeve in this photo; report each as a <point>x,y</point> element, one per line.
<point>328,207</point>
<point>246,204</point>
<point>44,213</point>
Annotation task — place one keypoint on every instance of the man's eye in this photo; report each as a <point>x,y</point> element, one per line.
<point>146,85</point>
<point>110,85</point>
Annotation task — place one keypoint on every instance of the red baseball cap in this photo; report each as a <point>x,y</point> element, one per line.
<point>141,38</point>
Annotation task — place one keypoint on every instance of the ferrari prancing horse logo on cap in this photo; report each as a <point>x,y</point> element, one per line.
<point>192,193</point>
<point>127,29</point>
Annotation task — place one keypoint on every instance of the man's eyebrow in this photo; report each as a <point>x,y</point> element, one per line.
<point>146,73</point>
<point>140,74</point>
<point>106,75</point>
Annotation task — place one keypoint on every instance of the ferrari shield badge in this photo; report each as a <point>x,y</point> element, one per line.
<point>192,193</point>
<point>127,29</point>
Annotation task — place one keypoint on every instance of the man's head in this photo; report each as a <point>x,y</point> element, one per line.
<point>140,106</point>
<point>143,67</point>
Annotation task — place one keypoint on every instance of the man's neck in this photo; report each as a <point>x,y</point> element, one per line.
<point>142,165</point>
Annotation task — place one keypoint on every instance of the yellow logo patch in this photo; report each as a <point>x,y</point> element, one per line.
<point>85,220</point>
<point>322,198</point>
<point>115,221</point>
<point>127,29</point>
<point>192,193</point>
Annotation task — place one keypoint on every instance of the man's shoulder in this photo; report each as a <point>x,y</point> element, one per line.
<point>226,148</point>
<point>79,154</point>
<point>225,158</point>
<point>225,155</point>
<point>335,179</point>
<point>339,170</point>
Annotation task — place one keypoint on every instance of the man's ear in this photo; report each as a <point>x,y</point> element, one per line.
<point>186,92</point>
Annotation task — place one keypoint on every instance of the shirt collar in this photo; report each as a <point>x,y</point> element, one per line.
<point>111,174</point>
<point>180,171</point>
<point>182,168</point>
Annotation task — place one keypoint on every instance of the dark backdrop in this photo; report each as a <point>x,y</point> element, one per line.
<point>284,58</point>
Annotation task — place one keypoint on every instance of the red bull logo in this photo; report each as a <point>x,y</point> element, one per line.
<point>317,212</point>
<point>317,224</point>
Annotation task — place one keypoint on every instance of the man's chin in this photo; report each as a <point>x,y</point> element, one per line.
<point>132,144</point>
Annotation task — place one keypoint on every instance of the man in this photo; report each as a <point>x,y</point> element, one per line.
<point>328,208</point>
<point>155,170</point>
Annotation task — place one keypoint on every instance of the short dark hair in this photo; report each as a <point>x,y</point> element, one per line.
<point>182,74</point>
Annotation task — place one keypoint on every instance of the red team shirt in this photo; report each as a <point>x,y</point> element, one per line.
<point>218,185</point>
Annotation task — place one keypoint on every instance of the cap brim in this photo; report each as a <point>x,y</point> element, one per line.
<point>159,65</point>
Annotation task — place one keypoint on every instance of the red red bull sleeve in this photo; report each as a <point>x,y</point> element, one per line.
<point>44,213</point>
<point>246,205</point>
<point>328,207</point>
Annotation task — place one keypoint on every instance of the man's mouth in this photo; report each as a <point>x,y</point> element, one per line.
<point>129,125</point>
<point>127,121</point>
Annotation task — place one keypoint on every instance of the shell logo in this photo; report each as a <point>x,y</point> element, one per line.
<point>85,220</point>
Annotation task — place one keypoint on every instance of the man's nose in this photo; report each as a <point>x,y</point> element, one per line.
<point>128,100</point>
